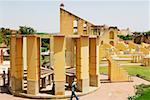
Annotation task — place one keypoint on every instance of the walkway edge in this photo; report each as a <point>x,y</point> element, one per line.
<point>23,95</point>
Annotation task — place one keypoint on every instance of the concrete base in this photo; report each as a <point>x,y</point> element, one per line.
<point>32,87</point>
<point>59,87</point>
<point>83,85</point>
<point>48,96</point>
<point>16,84</point>
<point>94,80</point>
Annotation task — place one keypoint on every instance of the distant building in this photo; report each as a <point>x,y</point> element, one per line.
<point>125,32</point>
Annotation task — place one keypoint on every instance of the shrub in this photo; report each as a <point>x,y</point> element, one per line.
<point>140,91</point>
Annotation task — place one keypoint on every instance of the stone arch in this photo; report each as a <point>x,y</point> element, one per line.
<point>102,42</point>
<point>111,43</point>
<point>115,73</point>
<point>111,35</point>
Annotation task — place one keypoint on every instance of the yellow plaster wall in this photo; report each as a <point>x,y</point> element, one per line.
<point>33,58</point>
<point>59,65</point>
<point>144,50</point>
<point>51,46</point>
<point>80,26</point>
<point>82,59</point>
<point>115,72</point>
<point>121,46</point>
<point>69,52</point>
<point>94,61</point>
<point>16,63</point>
<point>33,64</point>
<point>82,63</point>
<point>59,58</point>
<point>66,23</point>
<point>105,37</point>
<point>93,57</point>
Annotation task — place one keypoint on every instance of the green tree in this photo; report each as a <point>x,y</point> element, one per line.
<point>26,30</point>
<point>5,35</point>
<point>148,33</point>
<point>127,37</point>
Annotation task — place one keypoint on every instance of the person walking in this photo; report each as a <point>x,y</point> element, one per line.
<point>73,89</point>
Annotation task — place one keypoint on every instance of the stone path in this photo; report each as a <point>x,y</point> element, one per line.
<point>115,91</point>
<point>126,64</point>
<point>107,91</point>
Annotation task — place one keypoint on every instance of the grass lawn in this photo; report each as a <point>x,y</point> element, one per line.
<point>145,95</point>
<point>46,59</point>
<point>144,72</point>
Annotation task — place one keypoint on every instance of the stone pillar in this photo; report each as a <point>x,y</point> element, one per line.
<point>82,63</point>
<point>69,53</point>
<point>51,52</point>
<point>33,63</point>
<point>80,26</point>
<point>94,62</point>
<point>24,59</point>
<point>109,70</point>
<point>49,79</point>
<point>59,65</point>
<point>1,56</point>
<point>16,63</point>
<point>24,53</point>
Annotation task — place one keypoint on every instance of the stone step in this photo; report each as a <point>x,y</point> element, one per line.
<point>105,81</point>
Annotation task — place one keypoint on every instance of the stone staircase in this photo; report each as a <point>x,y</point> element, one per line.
<point>117,73</point>
<point>44,72</point>
<point>25,80</point>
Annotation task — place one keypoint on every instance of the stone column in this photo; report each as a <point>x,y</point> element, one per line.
<point>24,53</point>
<point>94,62</point>
<point>33,63</point>
<point>51,51</point>
<point>1,56</point>
<point>80,26</point>
<point>109,69</point>
<point>16,63</point>
<point>49,79</point>
<point>59,65</point>
<point>24,59</point>
<point>82,63</point>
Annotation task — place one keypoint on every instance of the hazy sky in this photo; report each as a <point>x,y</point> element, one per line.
<point>43,15</point>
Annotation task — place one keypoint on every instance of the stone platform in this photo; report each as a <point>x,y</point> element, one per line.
<point>49,96</point>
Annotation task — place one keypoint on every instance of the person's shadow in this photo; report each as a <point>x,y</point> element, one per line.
<point>4,89</point>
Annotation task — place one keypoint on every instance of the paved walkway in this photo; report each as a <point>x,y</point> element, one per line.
<point>125,64</point>
<point>107,91</point>
<point>115,91</point>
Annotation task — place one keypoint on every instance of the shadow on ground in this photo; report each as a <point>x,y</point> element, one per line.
<point>4,89</point>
